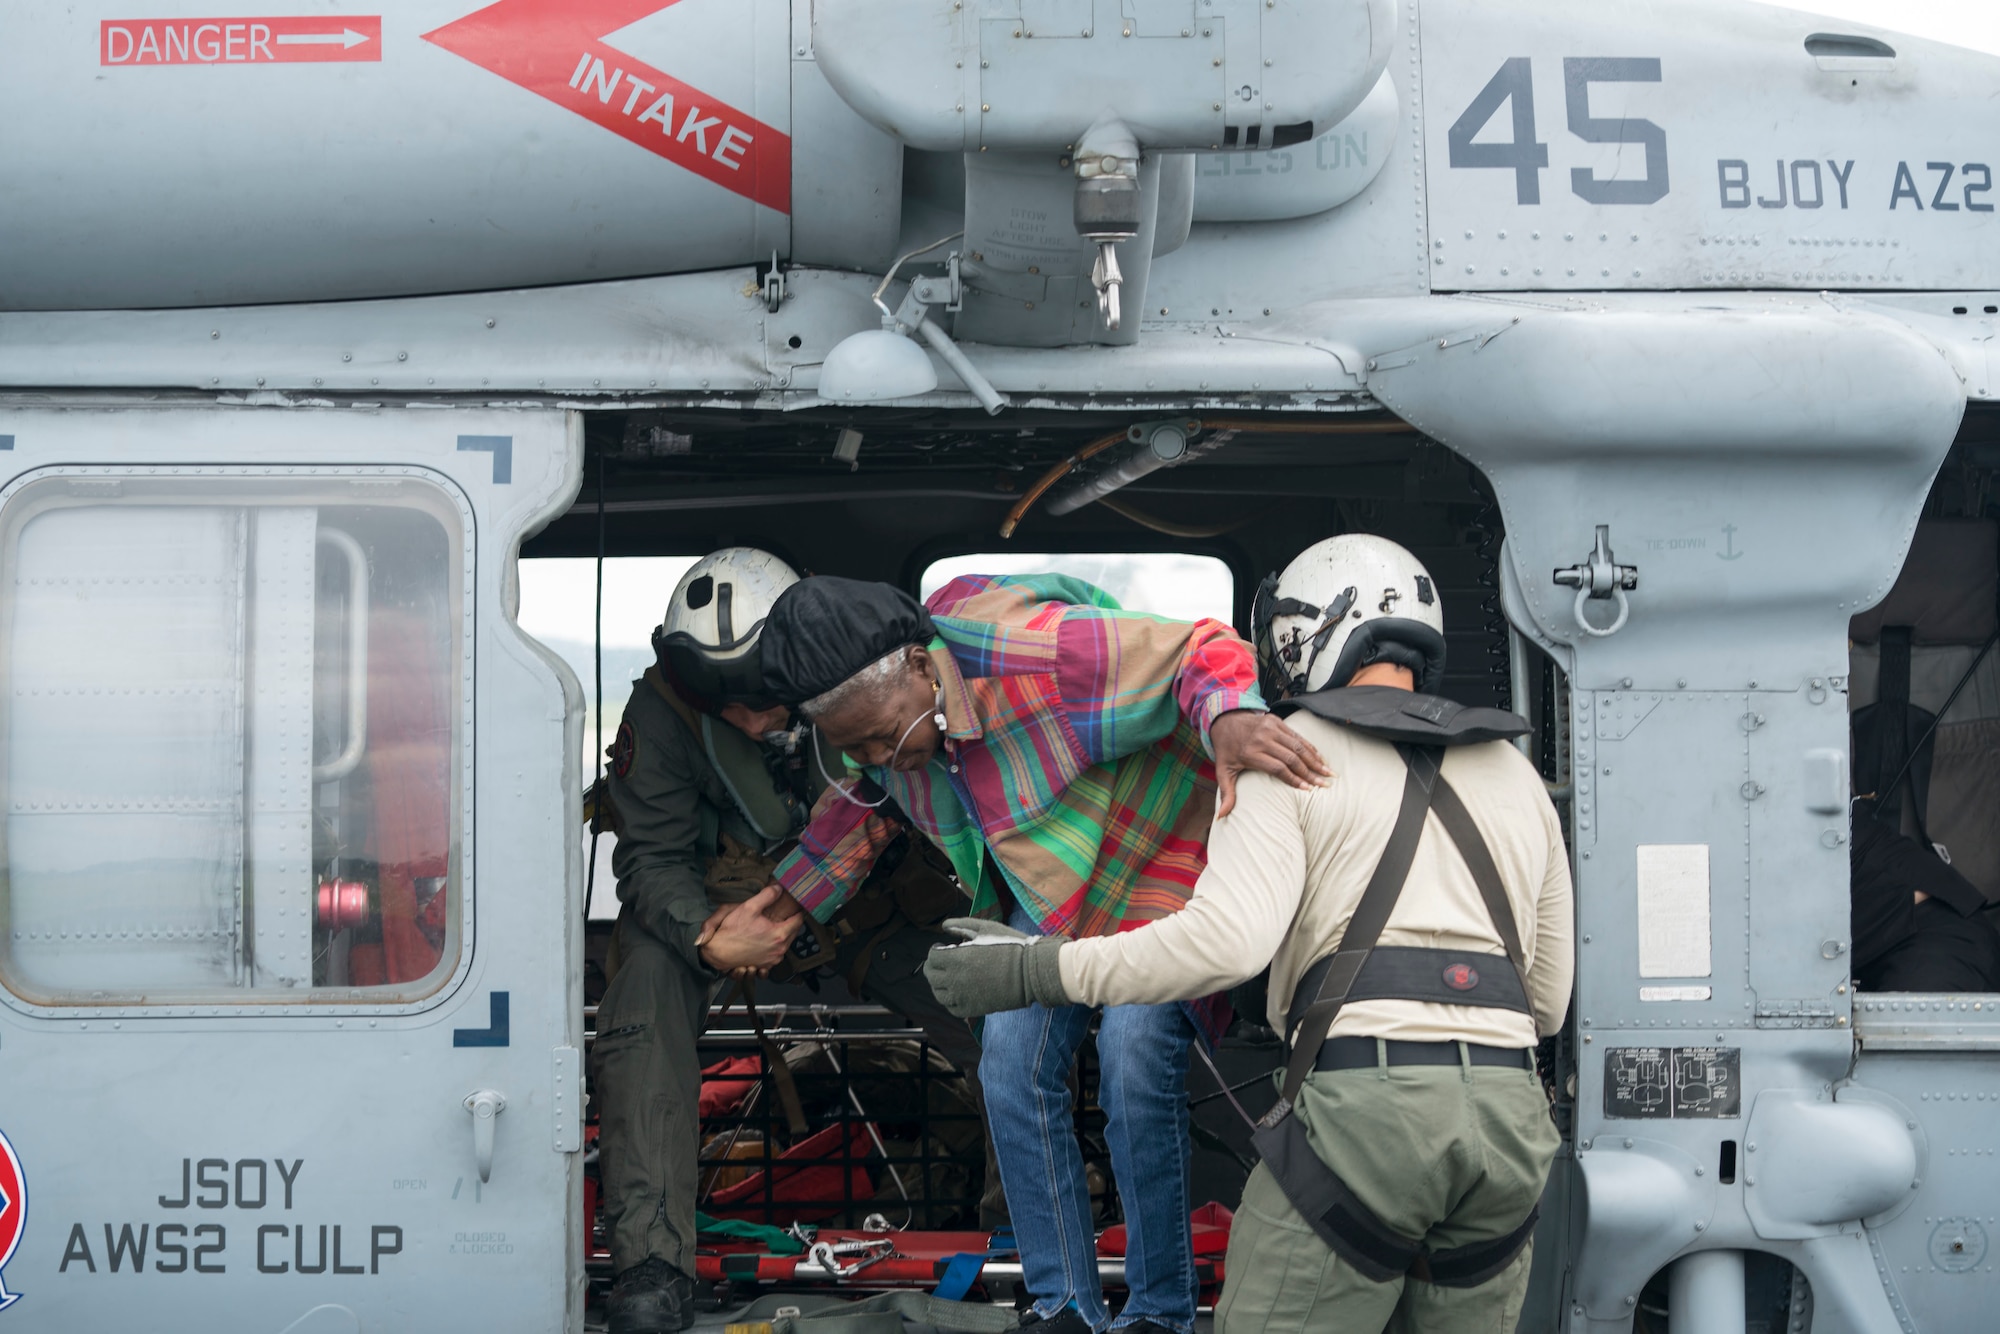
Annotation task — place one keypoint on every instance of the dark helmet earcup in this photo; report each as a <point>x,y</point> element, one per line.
<point>1413,637</point>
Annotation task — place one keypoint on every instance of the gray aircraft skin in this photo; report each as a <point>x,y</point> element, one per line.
<point>1713,279</point>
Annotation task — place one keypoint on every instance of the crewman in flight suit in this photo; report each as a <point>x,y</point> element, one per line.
<point>1404,1161</point>
<point>706,784</point>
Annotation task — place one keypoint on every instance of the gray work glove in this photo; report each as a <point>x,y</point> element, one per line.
<point>997,968</point>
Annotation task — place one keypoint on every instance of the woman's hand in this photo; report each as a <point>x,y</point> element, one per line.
<point>1246,739</point>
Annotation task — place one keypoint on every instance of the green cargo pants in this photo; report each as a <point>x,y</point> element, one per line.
<point>1454,1155</point>
<point>645,1085</point>
<point>646,1080</point>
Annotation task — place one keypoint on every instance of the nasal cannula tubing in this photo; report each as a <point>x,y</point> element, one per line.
<point>847,796</point>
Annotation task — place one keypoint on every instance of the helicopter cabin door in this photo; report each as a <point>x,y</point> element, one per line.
<point>289,1033</point>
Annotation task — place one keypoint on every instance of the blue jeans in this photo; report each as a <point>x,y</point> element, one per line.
<point>1024,1064</point>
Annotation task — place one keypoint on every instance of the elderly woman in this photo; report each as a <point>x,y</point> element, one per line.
<point>1066,756</point>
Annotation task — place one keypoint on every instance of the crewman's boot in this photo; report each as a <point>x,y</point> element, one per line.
<point>652,1297</point>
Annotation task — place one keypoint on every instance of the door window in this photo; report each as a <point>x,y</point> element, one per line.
<point>233,717</point>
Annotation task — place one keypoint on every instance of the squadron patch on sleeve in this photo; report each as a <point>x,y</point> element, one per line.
<point>624,748</point>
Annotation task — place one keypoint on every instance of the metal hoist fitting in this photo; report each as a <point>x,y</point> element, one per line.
<point>1109,206</point>
<point>774,285</point>
<point>1600,578</point>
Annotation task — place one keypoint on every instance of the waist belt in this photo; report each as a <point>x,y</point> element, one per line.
<point>1359,1053</point>
<point>1418,973</point>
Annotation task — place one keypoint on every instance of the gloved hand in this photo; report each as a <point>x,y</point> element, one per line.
<point>997,968</point>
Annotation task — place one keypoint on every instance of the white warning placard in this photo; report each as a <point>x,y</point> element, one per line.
<point>1673,910</point>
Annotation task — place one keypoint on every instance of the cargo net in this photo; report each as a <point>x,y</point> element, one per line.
<point>834,1115</point>
<point>833,1125</point>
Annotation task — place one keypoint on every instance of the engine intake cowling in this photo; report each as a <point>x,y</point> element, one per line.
<point>1034,75</point>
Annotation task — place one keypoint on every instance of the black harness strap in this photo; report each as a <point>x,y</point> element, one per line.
<point>1470,1265</point>
<point>1457,822</point>
<point>776,1067</point>
<point>1353,1232</point>
<point>1341,1220</point>
<point>1424,790</point>
<point>1337,1216</point>
<point>1364,928</point>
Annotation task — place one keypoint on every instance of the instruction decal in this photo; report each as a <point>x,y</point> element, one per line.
<point>553,48</point>
<point>1673,1083</point>
<point>1674,929</point>
<point>13,1213</point>
<point>294,40</point>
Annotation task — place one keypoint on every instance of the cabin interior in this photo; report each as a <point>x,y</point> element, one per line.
<point>921,487</point>
<point>1924,699</point>
<point>889,494</point>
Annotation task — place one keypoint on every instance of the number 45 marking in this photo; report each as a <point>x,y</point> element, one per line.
<point>1526,158</point>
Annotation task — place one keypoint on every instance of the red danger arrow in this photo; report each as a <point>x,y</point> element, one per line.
<point>240,41</point>
<point>553,48</point>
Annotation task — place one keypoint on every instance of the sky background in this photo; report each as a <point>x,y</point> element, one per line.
<point>558,600</point>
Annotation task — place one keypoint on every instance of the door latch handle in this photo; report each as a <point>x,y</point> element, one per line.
<point>485,1106</point>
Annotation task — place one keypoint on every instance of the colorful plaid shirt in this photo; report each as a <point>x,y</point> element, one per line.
<point>1076,750</point>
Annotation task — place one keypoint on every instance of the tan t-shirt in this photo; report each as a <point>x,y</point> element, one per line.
<point>1286,869</point>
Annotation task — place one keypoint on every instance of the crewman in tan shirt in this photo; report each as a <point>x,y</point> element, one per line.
<point>1415,914</point>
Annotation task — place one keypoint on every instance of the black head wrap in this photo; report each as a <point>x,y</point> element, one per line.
<point>825,629</point>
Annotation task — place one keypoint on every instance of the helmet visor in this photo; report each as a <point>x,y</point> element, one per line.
<point>737,678</point>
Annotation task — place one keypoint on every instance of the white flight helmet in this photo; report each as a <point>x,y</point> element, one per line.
<point>707,642</point>
<point>1343,603</point>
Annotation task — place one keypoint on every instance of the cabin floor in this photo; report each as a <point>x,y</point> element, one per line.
<point>724,1317</point>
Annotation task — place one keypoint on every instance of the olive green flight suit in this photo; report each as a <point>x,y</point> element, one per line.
<point>673,805</point>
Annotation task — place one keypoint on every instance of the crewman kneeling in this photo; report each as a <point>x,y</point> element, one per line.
<point>1415,914</point>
